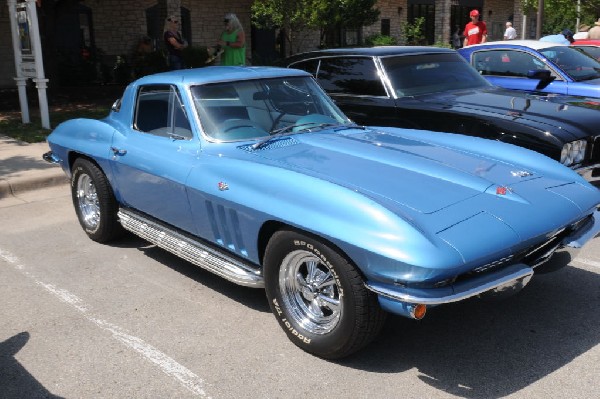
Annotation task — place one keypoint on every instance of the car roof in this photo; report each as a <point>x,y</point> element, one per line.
<point>533,44</point>
<point>378,51</point>
<point>212,74</point>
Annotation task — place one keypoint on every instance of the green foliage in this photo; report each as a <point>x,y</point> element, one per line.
<point>12,126</point>
<point>561,14</point>
<point>297,18</point>
<point>442,45</point>
<point>413,32</point>
<point>380,40</point>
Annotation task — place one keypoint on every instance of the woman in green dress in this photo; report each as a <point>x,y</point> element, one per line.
<point>233,42</point>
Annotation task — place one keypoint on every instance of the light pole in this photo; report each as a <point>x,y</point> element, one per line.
<point>540,17</point>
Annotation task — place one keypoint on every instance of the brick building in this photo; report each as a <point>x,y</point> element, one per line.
<point>114,27</point>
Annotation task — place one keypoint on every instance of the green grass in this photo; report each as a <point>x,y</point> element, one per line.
<point>12,126</point>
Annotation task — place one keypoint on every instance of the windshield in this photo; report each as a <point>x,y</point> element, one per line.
<point>573,62</point>
<point>250,109</point>
<point>431,73</point>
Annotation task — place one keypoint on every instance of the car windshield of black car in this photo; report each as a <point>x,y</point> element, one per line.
<point>251,109</point>
<point>430,73</point>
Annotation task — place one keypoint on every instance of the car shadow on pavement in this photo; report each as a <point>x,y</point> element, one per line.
<point>493,348</point>
<point>19,163</point>
<point>252,298</point>
<point>15,380</point>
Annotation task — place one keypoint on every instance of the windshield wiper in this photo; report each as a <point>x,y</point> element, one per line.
<point>308,128</point>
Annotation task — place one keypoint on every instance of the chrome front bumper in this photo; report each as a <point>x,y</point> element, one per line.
<point>401,300</point>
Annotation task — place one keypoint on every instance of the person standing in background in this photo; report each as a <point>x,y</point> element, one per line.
<point>594,32</point>
<point>233,42</point>
<point>475,31</point>
<point>174,43</point>
<point>510,33</point>
<point>582,33</point>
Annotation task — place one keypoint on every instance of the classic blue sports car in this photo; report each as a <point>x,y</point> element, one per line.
<point>255,174</point>
<point>536,66</point>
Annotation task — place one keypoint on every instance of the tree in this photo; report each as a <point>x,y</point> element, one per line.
<point>298,19</point>
<point>561,14</point>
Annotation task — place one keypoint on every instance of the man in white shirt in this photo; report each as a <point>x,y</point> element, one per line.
<point>510,33</point>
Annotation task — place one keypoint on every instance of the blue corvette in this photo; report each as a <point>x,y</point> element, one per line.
<point>256,175</point>
<point>536,66</point>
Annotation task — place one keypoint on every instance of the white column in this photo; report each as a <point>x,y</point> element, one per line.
<point>40,80</point>
<point>21,81</point>
<point>21,87</point>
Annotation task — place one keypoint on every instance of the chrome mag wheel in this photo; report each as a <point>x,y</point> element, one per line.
<point>87,200</point>
<point>310,292</point>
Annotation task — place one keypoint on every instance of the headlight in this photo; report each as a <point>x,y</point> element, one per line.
<point>573,152</point>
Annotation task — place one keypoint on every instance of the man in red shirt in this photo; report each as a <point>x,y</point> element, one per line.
<point>475,31</point>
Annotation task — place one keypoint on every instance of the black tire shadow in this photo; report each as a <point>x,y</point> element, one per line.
<point>250,297</point>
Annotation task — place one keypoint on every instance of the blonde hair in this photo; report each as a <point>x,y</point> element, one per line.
<point>236,25</point>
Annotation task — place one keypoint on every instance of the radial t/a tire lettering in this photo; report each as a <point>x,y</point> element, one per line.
<point>318,296</point>
<point>94,202</point>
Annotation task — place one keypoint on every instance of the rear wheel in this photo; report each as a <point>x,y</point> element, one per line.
<point>94,202</point>
<point>319,297</point>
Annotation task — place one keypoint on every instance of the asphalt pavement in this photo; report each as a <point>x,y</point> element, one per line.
<point>22,168</point>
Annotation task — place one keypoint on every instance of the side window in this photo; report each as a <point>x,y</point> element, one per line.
<point>350,75</point>
<point>505,63</point>
<point>309,66</point>
<point>160,111</point>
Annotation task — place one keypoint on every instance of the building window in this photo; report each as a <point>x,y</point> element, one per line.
<point>385,27</point>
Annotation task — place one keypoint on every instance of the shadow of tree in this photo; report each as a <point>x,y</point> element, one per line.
<point>15,381</point>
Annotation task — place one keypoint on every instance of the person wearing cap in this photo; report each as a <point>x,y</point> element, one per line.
<point>564,37</point>
<point>510,33</point>
<point>582,33</point>
<point>475,31</point>
<point>233,42</point>
<point>594,32</point>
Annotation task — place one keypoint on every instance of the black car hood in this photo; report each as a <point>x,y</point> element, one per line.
<point>566,117</point>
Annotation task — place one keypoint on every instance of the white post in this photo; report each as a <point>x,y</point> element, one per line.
<point>40,79</point>
<point>21,81</point>
<point>524,31</point>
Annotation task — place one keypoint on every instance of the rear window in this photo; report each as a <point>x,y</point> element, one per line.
<point>413,75</point>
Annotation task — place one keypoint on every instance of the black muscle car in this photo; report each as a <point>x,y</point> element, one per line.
<point>436,89</point>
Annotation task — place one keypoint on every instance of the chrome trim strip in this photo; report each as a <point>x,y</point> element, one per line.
<point>518,274</point>
<point>191,250</point>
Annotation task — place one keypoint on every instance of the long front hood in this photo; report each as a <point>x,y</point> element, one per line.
<point>416,174</point>
<point>573,116</point>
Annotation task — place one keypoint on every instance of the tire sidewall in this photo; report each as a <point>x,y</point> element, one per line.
<point>324,345</point>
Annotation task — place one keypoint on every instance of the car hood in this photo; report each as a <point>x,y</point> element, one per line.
<point>572,115</point>
<point>409,171</point>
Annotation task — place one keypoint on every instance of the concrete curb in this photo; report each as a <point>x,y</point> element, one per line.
<point>23,169</point>
<point>15,186</point>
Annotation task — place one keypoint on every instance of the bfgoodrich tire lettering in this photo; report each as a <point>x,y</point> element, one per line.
<point>318,296</point>
<point>94,202</point>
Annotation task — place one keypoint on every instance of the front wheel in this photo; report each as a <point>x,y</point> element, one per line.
<point>318,296</point>
<point>94,202</point>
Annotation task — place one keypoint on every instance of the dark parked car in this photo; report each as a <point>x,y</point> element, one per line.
<point>436,89</point>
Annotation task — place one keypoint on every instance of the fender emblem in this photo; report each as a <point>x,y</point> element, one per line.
<point>223,186</point>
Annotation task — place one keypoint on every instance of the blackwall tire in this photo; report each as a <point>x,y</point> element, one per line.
<point>318,296</point>
<point>94,202</point>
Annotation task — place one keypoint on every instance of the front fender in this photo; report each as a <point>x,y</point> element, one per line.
<point>239,197</point>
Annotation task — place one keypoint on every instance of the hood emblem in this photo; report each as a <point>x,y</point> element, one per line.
<point>521,173</point>
<point>223,186</point>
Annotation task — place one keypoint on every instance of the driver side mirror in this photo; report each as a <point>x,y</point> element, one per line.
<point>543,75</point>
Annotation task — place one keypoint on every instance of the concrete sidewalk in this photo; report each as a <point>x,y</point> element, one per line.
<point>23,169</point>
